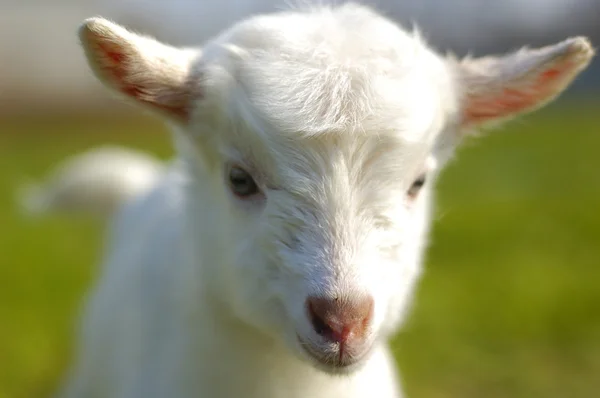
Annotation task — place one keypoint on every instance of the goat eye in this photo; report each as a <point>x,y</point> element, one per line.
<point>241,182</point>
<point>416,186</point>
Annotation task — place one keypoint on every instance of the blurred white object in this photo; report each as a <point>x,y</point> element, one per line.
<point>96,182</point>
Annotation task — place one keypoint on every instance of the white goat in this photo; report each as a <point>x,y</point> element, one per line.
<point>281,250</point>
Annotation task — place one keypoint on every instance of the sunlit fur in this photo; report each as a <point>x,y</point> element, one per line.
<point>335,112</point>
<point>95,182</point>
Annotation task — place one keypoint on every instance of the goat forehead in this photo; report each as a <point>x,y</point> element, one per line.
<point>339,69</point>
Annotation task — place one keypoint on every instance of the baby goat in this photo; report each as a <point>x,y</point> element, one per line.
<point>280,251</point>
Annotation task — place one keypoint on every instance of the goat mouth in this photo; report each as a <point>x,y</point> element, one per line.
<point>335,361</point>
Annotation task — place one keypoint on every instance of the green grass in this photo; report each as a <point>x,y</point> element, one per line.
<point>509,305</point>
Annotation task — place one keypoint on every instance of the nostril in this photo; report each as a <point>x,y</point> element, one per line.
<point>319,324</point>
<point>339,320</point>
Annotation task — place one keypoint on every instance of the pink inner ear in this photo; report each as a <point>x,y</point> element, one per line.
<point>116,66</point>
<point>523,96</point>
<point>115,56</point>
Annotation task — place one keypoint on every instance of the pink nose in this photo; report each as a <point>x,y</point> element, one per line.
<point>340,320</point>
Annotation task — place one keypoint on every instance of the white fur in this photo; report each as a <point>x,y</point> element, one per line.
<point>335,112</point>
<point>96,182</point>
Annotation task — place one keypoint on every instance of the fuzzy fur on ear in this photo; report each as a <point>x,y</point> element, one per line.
<point>151,73</point>
<point>498,88</point>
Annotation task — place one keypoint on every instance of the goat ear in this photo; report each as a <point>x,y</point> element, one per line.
<point>496,88</point>
<point>140,68</point>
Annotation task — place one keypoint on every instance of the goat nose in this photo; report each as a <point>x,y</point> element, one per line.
<point>340,320</point>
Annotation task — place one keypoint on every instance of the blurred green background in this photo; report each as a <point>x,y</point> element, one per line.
<point>509,305</point>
